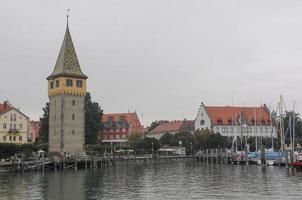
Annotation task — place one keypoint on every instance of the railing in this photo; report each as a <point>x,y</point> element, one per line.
<point>14,131</point>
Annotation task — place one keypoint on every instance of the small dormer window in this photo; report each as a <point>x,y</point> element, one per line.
<point>219,121</point>
<point>201,122</point>
<point>230,121</point>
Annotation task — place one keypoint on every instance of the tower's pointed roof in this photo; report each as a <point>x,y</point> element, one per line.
<point>67,63</point>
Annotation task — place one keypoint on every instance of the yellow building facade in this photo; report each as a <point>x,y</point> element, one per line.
<point>14,127</point>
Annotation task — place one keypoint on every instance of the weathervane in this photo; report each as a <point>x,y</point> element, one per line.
<point>68,10</point>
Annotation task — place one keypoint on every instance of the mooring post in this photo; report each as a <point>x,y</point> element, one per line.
<point>76,162</point>
<point>43,159</point>
<point>64,160</point>
<point>246,156</point>
<point>207,156</point>
<point>286,158</point>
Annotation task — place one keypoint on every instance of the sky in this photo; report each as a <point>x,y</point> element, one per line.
<point>160,58</point>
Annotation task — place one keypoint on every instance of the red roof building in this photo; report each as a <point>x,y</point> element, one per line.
<point>171,127</point>
<point>34,129</point>
<point>117,127</point>
<point>231,120</point>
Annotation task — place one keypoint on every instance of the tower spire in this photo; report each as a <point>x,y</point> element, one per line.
<point>67,62</point>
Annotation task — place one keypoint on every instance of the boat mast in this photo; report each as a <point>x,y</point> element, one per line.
<point>281,125</point>
<point>261,126</point>
<point>271,128</point>
<point>255,124</point>
<point>294,127</point>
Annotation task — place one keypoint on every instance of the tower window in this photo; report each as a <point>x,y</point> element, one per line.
<point>72,116</point>
<point>51,84</point>
<point>73,102</point>
<point>79,83</point>
<point>69,82</point>
<point>57,83</point>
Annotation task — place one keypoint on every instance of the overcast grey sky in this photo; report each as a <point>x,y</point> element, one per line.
<point>158,57</point>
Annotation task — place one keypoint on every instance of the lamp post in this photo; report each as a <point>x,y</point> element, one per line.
<point>152,148</point>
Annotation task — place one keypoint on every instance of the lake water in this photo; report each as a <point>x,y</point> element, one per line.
<point>168,180</point>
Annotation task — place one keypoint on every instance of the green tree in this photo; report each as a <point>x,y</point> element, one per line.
<point>151,143</point>
<point>206,139</point>
<point>298,125</point>
<point>186,138</point>
<point>44,128</point>
<point>134,138</point>
<point>167,139</point>
<point>93,115</point>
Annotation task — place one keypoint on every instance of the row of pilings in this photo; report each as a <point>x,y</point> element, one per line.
<point>222,156</point>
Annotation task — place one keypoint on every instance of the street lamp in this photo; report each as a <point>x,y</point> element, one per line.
<point>152,147</point>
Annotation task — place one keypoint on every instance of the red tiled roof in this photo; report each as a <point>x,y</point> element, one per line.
<point>228,114</point>
<point>129,117</point>
<point>167,127</point>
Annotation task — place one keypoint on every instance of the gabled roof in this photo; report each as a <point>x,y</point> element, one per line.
<point>231,115</point>
<point>4,108</point>
<point>67,63</point>
<point>167,127</point>
<point>129,117</point>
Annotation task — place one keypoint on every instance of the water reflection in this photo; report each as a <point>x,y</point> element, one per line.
<point>170,180</point>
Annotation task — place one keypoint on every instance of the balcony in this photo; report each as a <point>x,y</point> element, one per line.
<point>14,131</point>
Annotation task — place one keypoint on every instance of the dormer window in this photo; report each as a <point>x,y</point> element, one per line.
<point>230,121</point>
<point>219,121</point>
<point>110,119</point>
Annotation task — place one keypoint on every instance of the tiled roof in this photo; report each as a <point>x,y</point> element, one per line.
<point>167,127</point>
<point>228,115</point>
<point>129,117</point>
<point>67,63</point>
<point>188,125</point>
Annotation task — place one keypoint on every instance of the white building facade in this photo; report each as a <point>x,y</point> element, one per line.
<point>236,121</point>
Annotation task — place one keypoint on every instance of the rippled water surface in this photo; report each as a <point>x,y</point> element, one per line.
<point>169,180</point>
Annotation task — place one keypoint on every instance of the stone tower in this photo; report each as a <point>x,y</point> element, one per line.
<point>67,91</point>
